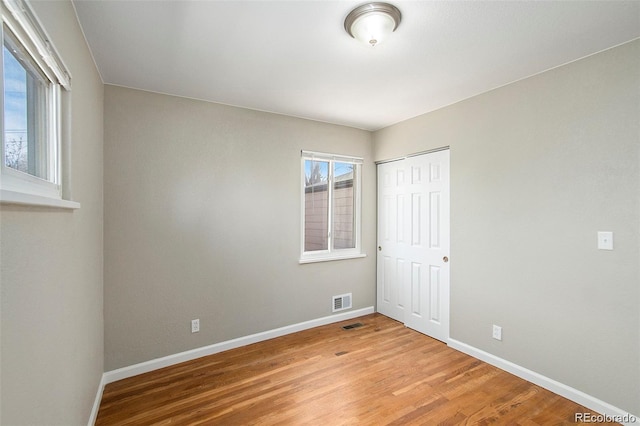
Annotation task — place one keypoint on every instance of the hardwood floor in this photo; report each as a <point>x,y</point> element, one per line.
<point>381,373</point>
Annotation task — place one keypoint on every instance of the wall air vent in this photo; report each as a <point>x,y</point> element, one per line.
<point>341,302</point>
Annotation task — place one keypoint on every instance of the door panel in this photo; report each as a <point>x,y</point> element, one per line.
<point>413,230</point>
<point>391,239</point>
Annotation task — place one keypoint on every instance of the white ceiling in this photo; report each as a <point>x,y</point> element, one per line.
<point>294,57</point>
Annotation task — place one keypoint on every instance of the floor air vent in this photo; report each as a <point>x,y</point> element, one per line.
<point>342,302</point>
<point>350,326</point>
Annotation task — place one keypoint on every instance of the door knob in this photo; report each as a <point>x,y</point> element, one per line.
<point>379,248</point>
<point>445,259</point>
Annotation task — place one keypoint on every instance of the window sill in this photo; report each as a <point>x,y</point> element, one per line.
<point>19,198</point>
<point>329,258</point>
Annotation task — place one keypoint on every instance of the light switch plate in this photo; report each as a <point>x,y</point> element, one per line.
<point>605,240</point>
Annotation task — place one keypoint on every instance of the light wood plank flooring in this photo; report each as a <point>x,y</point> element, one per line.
<point>381,373</point>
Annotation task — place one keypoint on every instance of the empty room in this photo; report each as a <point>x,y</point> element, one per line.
<point>320,212</point>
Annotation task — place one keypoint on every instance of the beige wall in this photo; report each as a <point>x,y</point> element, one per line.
<point>537,168</point>
<point>51,264</point>
<point>183,236</point>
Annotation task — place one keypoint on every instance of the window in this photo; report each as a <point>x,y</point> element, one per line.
<point>331,192</point>
<point>32,80</point>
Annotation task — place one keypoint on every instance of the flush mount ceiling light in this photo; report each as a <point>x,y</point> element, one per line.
<point>371,23</point>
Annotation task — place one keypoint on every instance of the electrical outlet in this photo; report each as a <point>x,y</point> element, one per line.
<point>195,325</point>
<point>497,332</point>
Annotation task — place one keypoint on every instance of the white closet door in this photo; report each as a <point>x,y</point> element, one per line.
<point>392,236</point>
<point>413,242</point>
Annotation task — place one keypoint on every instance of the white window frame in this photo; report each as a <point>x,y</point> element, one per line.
<point>331,253</point>
<point>17,187</point>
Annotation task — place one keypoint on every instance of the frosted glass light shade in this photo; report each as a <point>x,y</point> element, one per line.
<point>373,28</point>
<point>371,23</point>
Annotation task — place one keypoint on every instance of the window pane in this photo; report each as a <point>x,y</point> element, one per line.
<point>25,108</point>
<point>316,205</point>
<point>344,193</point>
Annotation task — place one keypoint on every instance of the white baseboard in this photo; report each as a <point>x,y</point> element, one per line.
<point>531,376</point>
<point>96,403</point>
<point>154,364</point>
<point>556,387</point>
